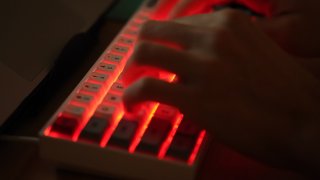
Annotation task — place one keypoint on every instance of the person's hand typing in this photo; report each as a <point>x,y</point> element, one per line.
<point>237,81</point>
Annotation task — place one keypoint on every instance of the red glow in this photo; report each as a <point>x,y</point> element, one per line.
<point>109,132</point>
<point>143,127</point>
<point>105,88</point>
<point>90,111</point>
<point>196,147</point>
<point>97,101</point>
<point>163,10</point>
<point>47,131</point>
<point>141,17</point>
<point>167,142</point>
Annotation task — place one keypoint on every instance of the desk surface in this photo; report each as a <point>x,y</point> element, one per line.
<point>19,160</point>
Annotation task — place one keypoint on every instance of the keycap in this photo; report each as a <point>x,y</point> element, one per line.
<point>181,146</point>
<point>83,98</point>
<point>125,41</point>
<point>166,112</point>
<point>113,57</point>
<point>130,32</point>
<point>124,133</point>
<point>99,77</point>
<point>120,49</point>
<point>187,127</point>
<point>95,129</point>
<point>112,98</point>
<point>107,67</point>
<point>117,87</point>
<point>154,136</point>
<point>65,125</point>
<point>91,87</point>
<point>106,111</point>
<point>75,111</point>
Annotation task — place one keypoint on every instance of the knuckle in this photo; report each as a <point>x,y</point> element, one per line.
<point>146,86</point>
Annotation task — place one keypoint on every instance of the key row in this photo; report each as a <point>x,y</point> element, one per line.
<point>156,137</point>
<point>93,90</point>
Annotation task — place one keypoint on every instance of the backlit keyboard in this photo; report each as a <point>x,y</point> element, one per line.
<point>92,132</point>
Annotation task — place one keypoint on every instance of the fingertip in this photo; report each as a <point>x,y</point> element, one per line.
<point>127,99</point>
<point>132,98</point>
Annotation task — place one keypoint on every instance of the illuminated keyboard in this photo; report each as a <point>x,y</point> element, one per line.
<point>92,132</point>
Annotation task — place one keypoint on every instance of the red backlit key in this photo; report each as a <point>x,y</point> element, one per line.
<point>83,99</point>
<point>95,129</point>
<point>154,136</point>
<point>126,41</point>
<point>106,111</point>
<point>99,77</point>
<point>107,67</point>
<point>74,111</point>
<point>188,128</point>
<point>131,32</point>
<point>181,147</point>
<point>65,125</point>
<point>112,98</point>
<point>117,87</point>
<point>120,49</point>
<point>184,140</point>
<point>113,57</point>
<point>166,112</point>
<point>91,87</point>
<point>124,133</point>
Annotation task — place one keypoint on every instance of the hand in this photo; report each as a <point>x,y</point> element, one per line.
<point>234,81</point>
<point>293,24</point>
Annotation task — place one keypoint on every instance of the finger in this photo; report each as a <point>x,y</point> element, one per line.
<point>135,72</point>
<point>202,20</point>
<point>182,35</point>
<point>149,89</point>
<point>162,57</point>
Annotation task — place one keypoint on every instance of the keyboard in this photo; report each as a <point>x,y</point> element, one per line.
<point>92,132</point>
